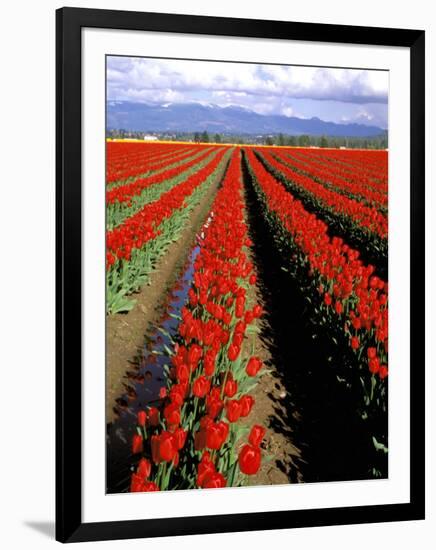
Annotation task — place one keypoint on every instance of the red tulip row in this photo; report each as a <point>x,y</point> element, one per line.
<point>350,171</point>
<point>350,295</point>
<point>122,155</point>
<point>140,228</point>
<point>125,160</point>
<point>373,164</point>
<point>124,193</point>
<point>355,188</point>
<point>134,246</point>
<point>121,152</point>
<point>194,440</point>
<point>361,215</point>
<point>153,166</point>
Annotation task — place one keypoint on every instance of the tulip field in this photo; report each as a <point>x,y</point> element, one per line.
<point>285,282</point>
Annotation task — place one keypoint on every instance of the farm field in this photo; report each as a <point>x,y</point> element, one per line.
<point>247,315</point>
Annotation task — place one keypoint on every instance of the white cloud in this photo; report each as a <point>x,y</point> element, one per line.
<point>339,95</point>
<point>347,85</point>
<point>288,111</point>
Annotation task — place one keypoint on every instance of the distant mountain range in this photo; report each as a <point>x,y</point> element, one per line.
<point>196,117</point>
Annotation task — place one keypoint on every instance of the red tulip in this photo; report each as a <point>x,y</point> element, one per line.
<point>216,434</point>
<point>214,481</point>
<point>209,362</point>
<point>142,418</point>
<point>383,372</point>
<point>356,322</point>
<point>144,468</point>
<point>153,416</point>
<point>237,339</point>
<point>180,438</point>
<point>214,403</point>
<point>177,395</point>
<point>249,317</point>
<point>374,365</point>
<point>205,468</point>
<point>253,366</point>
<point>137,444</point>
<point>136,483</point>
<point>354,342</point>
<point>246,402</point>
<point>172,414</point>
<point>257,311</point>
<point>201,386</point>
<point>230,388</point>
<point>233,411</point>
<point>167,447</point>
<point>194,355</point>
<point>372,352</point>
<point>233,352</point>
<point>256,435</point>
<point>249,459</point>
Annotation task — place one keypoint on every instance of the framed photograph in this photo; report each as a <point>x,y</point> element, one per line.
<point>240,274</point>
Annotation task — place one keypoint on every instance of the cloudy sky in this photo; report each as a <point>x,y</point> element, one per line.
<point>337,95</point>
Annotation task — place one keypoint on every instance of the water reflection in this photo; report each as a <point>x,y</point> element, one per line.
<point>144,383</point>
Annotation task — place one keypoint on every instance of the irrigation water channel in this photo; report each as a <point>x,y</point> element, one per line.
<point>146,381</point>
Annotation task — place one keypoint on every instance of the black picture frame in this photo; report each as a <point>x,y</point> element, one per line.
<point>69,22</point>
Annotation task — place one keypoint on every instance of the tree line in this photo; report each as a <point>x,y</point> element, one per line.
<point>374,142</point>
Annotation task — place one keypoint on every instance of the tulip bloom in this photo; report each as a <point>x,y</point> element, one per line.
<point>201,386</point>
<point>216,434</point>
<point>256,435</point>
<point>354,342</point>
<point>253,366</point>
<point>372,352</point>
<point>383,372</point>
<point>153,416</point>
<point>249,317</point>
<point>209,362</point>
<point>137,444</point>
<point>136,483</point>
<point>233,352</point>
<point>230,388</point>
<point>214,403</point>
<point>233,411</point>
<point>144,468</point>
<point>142,418</point>
<point>257,311</point>
<point>374,365</point>
<point>180,438</point>
<point>249,459</point>
<point>163,447</point>
<point>214,481</point>
<point>246,402</point>
<point>172,414</point>
<point>205,468</point>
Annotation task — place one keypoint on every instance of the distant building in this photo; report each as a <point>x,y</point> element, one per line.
<point>149,137</point>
